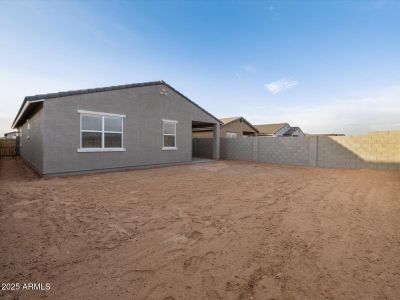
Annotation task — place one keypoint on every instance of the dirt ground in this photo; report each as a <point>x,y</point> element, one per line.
<point>219,230</point>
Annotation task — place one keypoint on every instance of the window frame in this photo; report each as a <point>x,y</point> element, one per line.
<point>164,121</point>
<point>102,131</point>
<point>231,135</point>
<point>28,136</point>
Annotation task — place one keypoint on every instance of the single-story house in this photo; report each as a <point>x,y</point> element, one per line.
<point>279,130</point>
<point>294,132</point>
<point>231,128</point>
<point>112,127</point>
<point>11,135</point>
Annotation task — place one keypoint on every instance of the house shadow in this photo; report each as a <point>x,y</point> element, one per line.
<point>376,150</point>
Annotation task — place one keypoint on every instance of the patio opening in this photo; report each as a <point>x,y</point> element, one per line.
<point>205,141</point>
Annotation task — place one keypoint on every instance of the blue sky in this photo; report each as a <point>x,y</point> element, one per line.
<point>326,66</point>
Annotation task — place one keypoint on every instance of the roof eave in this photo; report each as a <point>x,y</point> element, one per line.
<point>194,103</point>
<point>231,121</point>
<point>252,126</point>
<point>241,118</point>
<point>40,98</point>
<point>24,107</point>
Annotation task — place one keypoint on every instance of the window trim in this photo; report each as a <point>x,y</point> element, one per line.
<point>231,135</point>
<point>102,131</point>
<point>28,136</point>
<point>163,134</point>
<point>100,113</point>
<point>101,149</point>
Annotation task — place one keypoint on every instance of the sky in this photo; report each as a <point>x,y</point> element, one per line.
<point>326,66</point>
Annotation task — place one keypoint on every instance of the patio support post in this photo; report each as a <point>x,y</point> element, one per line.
<point>216,141</point>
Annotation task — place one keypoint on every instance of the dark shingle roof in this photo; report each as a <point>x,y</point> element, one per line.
<point>105,89</point>
<point>290,131</point>
<point>95,90</point>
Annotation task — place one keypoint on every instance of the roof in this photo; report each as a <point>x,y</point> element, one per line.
<point>270,128</point>
<point>291,131</point>
<point>226,121</point>
<point>42,97</point>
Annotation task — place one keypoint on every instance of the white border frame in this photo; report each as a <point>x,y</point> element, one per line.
<point>172,122</point>
<point>102,115</point>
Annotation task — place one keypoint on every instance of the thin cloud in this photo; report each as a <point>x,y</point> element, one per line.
<point>249,68</point>
<point>96,32</point>
<point>278,86</point>
<point>374,112</point>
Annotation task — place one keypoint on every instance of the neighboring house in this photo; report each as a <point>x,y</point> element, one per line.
<point>272,129</point>
<point>294,132</point>
<point>279,130</point>
<point>113,127</point>
<point>11,135</point>
<point>231,128</point>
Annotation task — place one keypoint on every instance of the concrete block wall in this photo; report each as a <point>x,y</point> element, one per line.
<point>288,150</point>
<point>240,148</point>
<point>202,147</point>
<point>377,150</point>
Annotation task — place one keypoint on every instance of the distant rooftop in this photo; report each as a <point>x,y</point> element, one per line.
<point>291,131</point>
<point>228,120</point>
<point>270,128</point>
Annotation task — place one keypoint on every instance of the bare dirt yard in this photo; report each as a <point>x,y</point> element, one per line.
<point>219,230</point>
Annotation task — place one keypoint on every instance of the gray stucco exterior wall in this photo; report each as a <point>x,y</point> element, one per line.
<point>144,107</point>
<point>31,140</point>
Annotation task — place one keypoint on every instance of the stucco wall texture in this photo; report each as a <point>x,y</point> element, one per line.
<point>31,140</point>
<point>376,150</point>
<point>55,130</point>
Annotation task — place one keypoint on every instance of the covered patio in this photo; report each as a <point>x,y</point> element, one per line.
<point>208,148</point>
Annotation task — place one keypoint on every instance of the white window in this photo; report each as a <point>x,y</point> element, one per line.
<point>101,132</point>
<point>231,135</point>
<point>169,135</point>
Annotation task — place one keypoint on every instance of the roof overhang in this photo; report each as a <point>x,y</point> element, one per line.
<point>31,101</point>
<point>25,109</point>
<point>243,120</point>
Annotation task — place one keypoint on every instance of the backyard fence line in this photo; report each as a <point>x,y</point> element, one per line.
<point>376,150</point>
<point>8,147</point>
<point>202,147</point>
